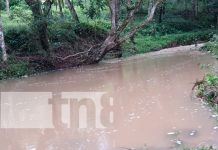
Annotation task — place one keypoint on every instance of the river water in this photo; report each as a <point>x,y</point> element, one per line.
<point>137,103</point>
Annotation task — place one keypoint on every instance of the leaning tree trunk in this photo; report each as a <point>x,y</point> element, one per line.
<point>150,5</point>
<point>115,36</point>
<point>2,43</point>
<point>73,12</point>
<point>117,9</point>
<point>40,23</point>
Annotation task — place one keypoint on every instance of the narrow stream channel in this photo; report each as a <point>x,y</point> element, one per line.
<point>137,103</point>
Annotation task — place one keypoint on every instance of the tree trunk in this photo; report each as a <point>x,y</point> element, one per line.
<point>150,5</point>
<point>117,9</point>
<point>194,9</point>
<point>161,11</point>
<point>8,6</point>
<point>217,21</point>
<point>40,22</point>
<point>114,39</point>
<point>2,43</point>
<point>60,8</point>
<point>73,12</point>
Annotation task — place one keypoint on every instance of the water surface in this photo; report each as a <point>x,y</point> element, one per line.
<point>148,97</point>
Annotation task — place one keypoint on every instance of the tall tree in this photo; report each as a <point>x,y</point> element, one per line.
<point>2,42</point>
<point>161,11</point>
<point>73,12</point>
<point>116,35</point>
<point>194,9</point>
<point>60,3</point>
<point>40,21</point>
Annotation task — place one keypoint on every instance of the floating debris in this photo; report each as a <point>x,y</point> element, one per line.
<point>214,116</point>
<point>30,147</point>
<point>25,76</point>
<point>215,128</point>
<point>179,142</point>
<point>193,133</point>
<point>172,133</point>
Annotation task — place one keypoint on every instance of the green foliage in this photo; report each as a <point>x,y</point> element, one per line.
<point>14,69</point>
<point>17,14</point>
<point>211,79</point>
<point>171,26</point>
<point>61,31</point>
<point>21,39</point>
<point>207,89</point>
<point>177,27</point>
<point>2,5</point>
<point>94,8</point>
<point>87,30</point>
<point>212,46</point>
<point>152,43</point>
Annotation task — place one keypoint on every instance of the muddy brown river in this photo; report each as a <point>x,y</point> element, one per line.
<point>143,102</point>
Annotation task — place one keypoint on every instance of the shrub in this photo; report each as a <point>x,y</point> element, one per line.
<point>207,89</point>
<point>212,45</point>
<point>14,69</point>
<point>171,26</point>
<point>22,40</point>
<point>87,30</point>
<point>19,15</point>
<point>61,31</point>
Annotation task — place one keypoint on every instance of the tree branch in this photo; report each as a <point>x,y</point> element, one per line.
<point>48,4</point>
<point>77,54</point>
<point>130,15</point>
<point>140,26</point>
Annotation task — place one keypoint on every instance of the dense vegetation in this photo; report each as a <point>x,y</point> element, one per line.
<point>207,89</point>
<point>51,34</point>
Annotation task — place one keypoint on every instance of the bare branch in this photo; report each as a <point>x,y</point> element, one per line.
<point>140,26</point>
<point>77,54</point>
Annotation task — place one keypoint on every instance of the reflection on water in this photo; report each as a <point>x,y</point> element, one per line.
<point>143,103</point>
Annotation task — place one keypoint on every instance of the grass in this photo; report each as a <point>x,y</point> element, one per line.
<point>145,44</point>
